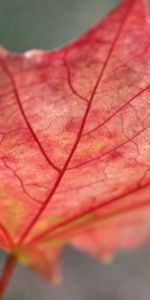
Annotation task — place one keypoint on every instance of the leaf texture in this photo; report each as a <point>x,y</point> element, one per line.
<point>75,143</point>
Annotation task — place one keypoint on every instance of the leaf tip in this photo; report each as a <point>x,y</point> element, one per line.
<point>3,51</point>
<point>36,55</point>
<point>107,258</point>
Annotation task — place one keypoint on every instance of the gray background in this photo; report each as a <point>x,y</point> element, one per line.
<point>26,24</point>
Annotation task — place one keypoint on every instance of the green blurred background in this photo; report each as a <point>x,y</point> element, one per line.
<point>26,24</point>
<point>46,24</point>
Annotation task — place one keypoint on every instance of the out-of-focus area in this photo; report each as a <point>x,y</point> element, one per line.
<point>47,24</point>
<point>26,24</point>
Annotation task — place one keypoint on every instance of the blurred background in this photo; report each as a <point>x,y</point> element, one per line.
<point>26,24</point>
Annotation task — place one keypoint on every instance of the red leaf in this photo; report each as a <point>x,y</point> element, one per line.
<point>75,142</point>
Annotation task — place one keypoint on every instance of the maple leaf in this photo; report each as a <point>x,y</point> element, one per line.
<point>75,143</point>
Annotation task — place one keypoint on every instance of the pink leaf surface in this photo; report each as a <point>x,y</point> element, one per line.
<point>75,143</point>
